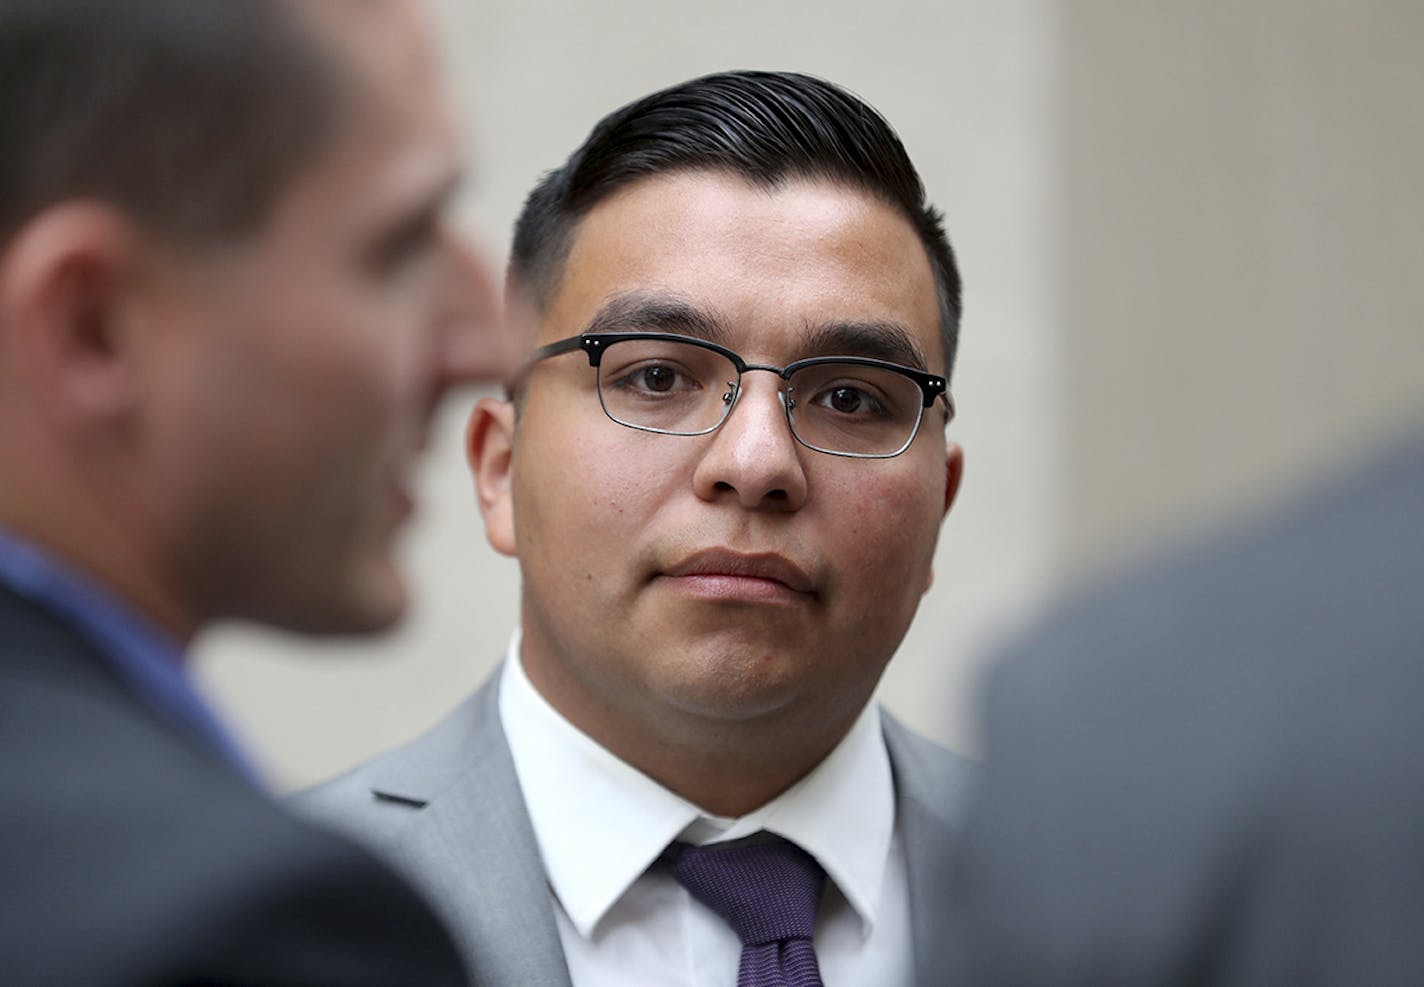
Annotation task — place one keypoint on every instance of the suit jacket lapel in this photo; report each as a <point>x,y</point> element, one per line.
<point>474,846</point>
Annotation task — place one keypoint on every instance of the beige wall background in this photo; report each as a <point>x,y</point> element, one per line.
<point>1191,241</point>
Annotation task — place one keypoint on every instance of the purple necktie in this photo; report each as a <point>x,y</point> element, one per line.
<point>768,893</point>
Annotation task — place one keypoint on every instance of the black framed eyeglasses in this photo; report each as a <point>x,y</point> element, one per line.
<point>681,385</point>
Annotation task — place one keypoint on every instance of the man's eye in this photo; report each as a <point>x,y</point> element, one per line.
<point>847,400</point>
<point>410,243</point>
<point>654,378</point>
<point>658,378</point>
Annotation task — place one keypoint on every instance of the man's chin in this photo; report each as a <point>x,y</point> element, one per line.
<point>368,606</point>
<point>731,693</point>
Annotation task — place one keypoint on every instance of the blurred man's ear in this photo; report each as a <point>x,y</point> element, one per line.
<point>489,448</point>
<point>69,313</point>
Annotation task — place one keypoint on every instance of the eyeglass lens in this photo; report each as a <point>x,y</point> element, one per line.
<point>686,389</point>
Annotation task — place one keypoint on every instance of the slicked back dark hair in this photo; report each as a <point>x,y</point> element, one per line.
<point>767,127</point>
<point>187,114</point>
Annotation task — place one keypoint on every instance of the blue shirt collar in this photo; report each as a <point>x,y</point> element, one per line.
<point>148,660</point>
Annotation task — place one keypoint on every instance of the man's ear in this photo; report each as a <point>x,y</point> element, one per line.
<point>489,449</point>
<point>68,312</point>
<point>954,473</point>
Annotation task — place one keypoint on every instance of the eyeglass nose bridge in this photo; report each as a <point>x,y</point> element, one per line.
<point>734,395</point>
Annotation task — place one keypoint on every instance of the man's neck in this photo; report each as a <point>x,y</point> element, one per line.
<point>91,540</point>
<point>726,767</point>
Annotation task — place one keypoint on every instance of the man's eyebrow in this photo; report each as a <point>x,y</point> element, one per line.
<point>890,341</point>
<point>411,222</point>
<point>656,312</point>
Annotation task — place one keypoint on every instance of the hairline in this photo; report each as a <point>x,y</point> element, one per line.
<point>550,278</point>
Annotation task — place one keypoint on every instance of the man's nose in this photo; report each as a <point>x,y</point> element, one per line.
<point>476,344</point>
<point>754,457</point>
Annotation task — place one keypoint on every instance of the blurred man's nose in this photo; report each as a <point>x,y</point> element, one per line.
<point>477,344</point>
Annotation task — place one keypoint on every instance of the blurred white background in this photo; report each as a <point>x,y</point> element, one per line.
<point>1192,241</point>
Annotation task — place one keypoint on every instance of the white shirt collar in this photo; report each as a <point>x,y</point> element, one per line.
<point>600,822</point>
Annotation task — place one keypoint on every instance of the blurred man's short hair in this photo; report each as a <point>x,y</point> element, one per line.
<point>188,115</point>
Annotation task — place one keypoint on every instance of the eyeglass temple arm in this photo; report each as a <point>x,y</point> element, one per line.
<point>513,385</point>
<point>565,346</point>
<point>948,405</point>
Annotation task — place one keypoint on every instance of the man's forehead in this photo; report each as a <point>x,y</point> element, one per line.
<point>394,114</point>
<point>380,48</point>
<point>702,246</point>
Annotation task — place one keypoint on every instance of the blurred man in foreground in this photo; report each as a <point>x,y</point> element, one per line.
<point>229,304</point>
<point>723,471</point>
<point>1213,777</point>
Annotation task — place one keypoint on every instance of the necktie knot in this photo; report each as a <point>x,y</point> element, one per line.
<point>767,892</point>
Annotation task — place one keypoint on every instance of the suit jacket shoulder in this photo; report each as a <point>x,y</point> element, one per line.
<point>932,789</point>
<point>130,855</point>
<point>926,772</point>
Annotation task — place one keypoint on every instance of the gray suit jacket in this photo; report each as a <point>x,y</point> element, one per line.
<point>1214,775</point>
<point>446,811</point>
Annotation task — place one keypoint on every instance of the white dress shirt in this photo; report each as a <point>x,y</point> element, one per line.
<point>600,823</point>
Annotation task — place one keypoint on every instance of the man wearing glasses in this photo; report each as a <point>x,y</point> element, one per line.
<point>723,470</point>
